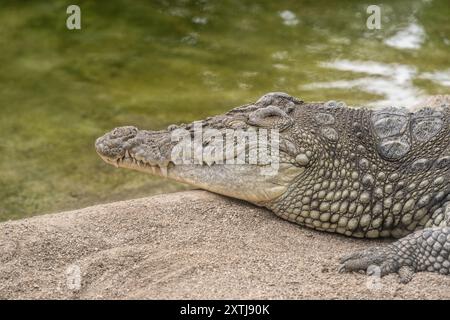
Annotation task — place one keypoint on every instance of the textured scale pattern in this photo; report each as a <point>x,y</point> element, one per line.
<point>353,187</point>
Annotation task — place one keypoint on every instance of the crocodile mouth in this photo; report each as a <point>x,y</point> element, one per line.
<point>162,169</point>
<point>232,172</point>
<point>153,152</point>
<point>127,161</point>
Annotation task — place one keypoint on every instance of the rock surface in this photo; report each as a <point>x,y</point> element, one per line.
<point>185,245</point>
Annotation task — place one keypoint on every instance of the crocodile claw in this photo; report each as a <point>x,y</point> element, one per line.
<point>424,250</point>
<point>367,259</point>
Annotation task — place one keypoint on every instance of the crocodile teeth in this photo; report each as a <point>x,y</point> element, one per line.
<point>208,161</point>
<point>163,171</point>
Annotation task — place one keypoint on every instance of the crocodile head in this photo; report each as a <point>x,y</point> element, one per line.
<point>250,152</point>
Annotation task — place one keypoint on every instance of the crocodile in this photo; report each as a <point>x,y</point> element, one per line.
<point>356,171</point>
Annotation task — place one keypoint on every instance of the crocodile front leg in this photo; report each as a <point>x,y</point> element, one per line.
<point>423,250</point>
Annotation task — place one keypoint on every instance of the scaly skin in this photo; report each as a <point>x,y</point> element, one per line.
<point>358,172</point>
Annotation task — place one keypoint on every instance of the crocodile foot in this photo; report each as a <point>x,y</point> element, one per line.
<point>424,250</point>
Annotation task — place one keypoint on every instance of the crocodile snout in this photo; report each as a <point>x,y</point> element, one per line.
<point>114,144</point>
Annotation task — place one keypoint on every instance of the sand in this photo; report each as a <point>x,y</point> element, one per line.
<point>187,245</point>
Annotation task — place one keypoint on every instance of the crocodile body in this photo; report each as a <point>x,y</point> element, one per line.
<point>358,172</point>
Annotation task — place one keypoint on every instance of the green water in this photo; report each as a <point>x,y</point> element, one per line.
<point>153,63</point>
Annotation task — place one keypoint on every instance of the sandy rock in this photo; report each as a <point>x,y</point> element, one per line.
<point>185,245</point>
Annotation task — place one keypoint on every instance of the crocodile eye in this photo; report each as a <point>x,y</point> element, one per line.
<point>262,115</point>
<point>270,116</point>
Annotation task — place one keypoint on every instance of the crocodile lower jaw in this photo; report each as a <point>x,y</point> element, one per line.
<point>219,178</point>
